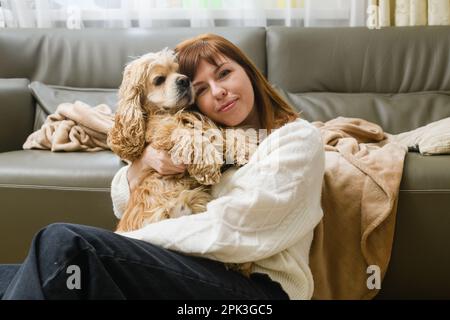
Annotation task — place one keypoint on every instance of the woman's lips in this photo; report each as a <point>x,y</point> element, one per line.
<point>228,107</point>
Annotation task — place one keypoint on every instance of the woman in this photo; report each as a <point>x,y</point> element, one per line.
<point>264,212</point>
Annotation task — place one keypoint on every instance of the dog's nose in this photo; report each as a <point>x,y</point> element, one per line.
<point>183,82</point>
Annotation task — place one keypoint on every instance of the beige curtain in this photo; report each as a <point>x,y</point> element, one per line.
<point>384,13</point>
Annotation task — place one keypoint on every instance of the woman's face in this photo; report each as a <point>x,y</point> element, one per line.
<point>225,93</point>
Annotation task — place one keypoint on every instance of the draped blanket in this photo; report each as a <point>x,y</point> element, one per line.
<point>74,127</point>
<point>363,169</point>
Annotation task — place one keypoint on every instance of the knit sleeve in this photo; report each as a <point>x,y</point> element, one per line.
<point>269,204</point>
<point>120,191</point>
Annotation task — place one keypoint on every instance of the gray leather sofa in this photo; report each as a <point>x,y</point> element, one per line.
<point>396,77</point>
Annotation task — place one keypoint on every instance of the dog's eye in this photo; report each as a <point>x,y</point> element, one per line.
<point>159,80</point>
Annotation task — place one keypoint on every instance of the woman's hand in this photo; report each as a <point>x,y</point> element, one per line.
<point>159,160</point>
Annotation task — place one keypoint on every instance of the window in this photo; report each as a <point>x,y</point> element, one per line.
<point>195,13</point>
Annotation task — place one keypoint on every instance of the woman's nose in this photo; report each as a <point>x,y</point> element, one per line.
<point>218,91</point>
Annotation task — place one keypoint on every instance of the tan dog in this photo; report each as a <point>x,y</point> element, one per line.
<point>152,101</point>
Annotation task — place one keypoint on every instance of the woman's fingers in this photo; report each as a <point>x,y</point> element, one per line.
<point>181,168</point>
<point>161,161</point>
<point>166,167</point>
<point>175,169</point>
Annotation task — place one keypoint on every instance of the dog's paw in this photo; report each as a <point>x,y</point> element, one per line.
<point>208,179</point>
<point>241,145</point>
<point>181,209</point>
<point>206,175</point>
<point>242,160</point>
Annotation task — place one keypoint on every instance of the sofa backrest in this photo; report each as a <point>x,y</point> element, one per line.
<point>95,58</point>
<point>396,77</point>
<point>16,113</point>
<point>356,60</point>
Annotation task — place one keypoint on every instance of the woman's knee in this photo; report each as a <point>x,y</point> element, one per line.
<point>57,232</point>
<point>76,237</point>
<point>62,239</point>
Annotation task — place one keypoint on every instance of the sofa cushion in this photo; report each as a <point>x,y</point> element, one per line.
<point>426,173</point>
<point>421,232</point>
<point>95,58</point>
<point>40,187</point>
<point>52,170</point>
<point>49,97</point>
<point>27,210</point>
<point>395,113</point>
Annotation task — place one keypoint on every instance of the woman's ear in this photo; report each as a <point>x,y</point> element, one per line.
<point>127,136</point>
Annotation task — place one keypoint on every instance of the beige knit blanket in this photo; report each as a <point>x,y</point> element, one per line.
<point>359,200</point>
<point>74,127</point>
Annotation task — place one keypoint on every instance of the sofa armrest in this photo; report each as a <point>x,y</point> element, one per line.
<point>16,113</point>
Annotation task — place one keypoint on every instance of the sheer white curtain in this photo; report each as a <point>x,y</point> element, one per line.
<point>76,14</point>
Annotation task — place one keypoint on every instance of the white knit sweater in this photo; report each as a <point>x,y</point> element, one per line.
<point>264,212</point>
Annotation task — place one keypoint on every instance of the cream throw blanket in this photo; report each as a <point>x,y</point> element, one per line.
<point>74,127</point>
<point>434,138</point>
<point>359,200</point>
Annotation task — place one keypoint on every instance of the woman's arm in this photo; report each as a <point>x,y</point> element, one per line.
<point>120,191</point>
<point>270,204</point>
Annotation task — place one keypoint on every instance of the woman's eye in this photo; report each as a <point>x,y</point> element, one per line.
<point>223,73</point>
<point>199,91</point>
<point>159,81</point>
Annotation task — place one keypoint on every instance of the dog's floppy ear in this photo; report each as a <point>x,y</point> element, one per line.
<point>127,136</point>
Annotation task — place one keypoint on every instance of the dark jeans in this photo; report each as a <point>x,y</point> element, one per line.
<point>110,266</point>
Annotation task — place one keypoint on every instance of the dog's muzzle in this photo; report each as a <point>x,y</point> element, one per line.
<point>184,88</point>
<point>183,83</point>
